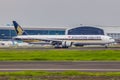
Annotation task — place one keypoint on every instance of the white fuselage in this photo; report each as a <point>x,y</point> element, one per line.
<point>75,39</point>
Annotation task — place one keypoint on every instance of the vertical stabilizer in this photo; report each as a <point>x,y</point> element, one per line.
<point>18,29</point>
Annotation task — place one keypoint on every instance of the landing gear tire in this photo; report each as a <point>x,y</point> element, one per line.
<point>106,46</point>
<point>65,47</point>
<point>60,46</point>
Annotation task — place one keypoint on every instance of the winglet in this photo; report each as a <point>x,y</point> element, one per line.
<point>18,29</point>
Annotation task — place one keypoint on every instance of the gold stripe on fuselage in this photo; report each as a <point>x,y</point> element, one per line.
<point>31,41</point>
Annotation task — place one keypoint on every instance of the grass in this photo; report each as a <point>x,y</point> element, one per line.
<point>59,55</point>
<point>65,73</point>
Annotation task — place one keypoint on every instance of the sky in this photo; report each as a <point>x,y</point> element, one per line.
<point>60,12</point>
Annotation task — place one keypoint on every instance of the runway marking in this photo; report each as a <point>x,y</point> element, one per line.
<point>60,69</point>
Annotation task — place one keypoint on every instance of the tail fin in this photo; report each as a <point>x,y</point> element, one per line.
<point>18,29</point>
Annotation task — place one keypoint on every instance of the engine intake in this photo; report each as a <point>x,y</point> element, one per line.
<point>66,44</point>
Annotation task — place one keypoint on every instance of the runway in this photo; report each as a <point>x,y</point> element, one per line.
<point>51,48</point>
<point>61,66</point>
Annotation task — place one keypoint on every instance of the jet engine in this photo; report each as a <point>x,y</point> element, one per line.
<point>66,44</point>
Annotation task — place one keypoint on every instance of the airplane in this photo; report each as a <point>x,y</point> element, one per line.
<point>11,43</point>
<point>62,41</point>
<point>6,43</point>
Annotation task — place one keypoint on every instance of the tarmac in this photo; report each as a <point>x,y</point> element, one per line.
<point>85,66</point>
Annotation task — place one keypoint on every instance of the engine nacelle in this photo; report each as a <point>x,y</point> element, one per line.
<point>66,44</point>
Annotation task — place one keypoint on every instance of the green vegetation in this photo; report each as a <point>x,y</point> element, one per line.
<point>59,55</point>
<point>65,73</point>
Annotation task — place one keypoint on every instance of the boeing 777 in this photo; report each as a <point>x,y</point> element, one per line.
<point>62,41</point>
